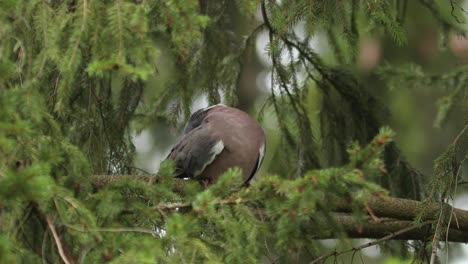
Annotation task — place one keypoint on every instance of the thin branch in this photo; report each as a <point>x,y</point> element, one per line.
<point>435,240</point>
<point>136,168</point>
<point>376,230</point>
<point>462,132</point>
<point>373,243</point>
<point>58,243</point>
<point>110,230</point>
<point>451,211</point>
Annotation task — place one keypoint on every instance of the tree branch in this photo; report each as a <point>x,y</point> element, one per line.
<point>402,213</point>
<point>392,235</point>
<point>101,181</point>
<point>58,243</point>
<point>405,209</point>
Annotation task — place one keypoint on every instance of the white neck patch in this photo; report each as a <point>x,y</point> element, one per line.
<point>262,155</point>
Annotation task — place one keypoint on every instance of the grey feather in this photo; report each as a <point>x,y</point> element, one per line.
<point>191,159</point>
<point>195,120</point>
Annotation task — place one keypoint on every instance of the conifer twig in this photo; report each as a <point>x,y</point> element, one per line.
<point>397,208</point>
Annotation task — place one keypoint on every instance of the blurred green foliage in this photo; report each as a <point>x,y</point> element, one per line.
<point>79,77</point>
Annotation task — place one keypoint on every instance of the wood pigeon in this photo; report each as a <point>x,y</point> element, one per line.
<point>215,139</point>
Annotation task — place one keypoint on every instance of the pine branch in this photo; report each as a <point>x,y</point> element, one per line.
<point>385,230</point>
<point>403,210</point>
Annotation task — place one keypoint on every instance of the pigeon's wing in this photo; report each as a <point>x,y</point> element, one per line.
<point>194,152</point>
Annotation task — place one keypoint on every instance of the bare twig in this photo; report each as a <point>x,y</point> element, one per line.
<point>462,132</point>
<point>451,211</point>
<point>58,243</point>
<point>373,243</point>
<point>437,232</point>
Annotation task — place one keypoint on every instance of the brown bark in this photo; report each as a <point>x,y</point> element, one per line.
<point>388,226</point>
<point>404,209</point>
